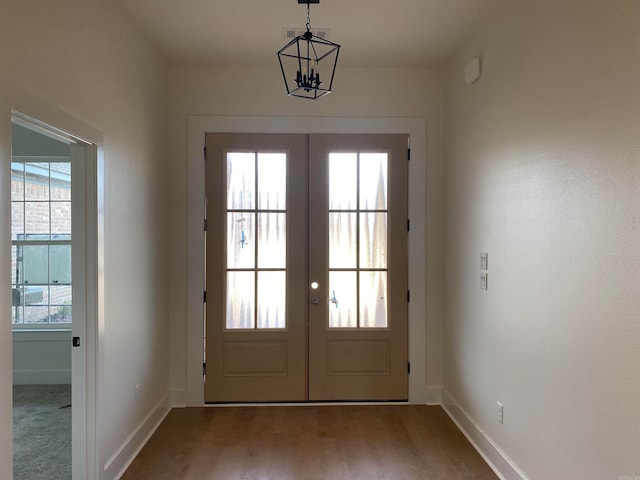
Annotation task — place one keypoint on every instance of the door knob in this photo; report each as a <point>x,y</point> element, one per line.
<point>315,300</point>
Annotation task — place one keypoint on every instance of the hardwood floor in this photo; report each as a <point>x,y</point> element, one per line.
<point>309,443</point>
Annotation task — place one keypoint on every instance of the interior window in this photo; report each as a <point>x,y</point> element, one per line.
<point>41,242</point>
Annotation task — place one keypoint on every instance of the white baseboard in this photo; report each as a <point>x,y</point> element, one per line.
<point>42,377</point>
<point>120,461</point>
<point>178,398</point>
<point>434,395</point>
<point>486,447</point>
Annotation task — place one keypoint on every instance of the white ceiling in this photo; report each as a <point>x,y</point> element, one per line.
<point>376,33</point>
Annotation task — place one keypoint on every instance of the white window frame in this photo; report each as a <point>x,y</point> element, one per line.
<point>60,326</point>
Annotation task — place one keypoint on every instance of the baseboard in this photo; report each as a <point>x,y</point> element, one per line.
<point>434,395</point>
<point>120,461</point>
<point>41,377</point>
<point>178,398</point>
<point>486,447</point>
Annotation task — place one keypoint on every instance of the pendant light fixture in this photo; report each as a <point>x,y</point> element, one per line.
<point>308,63</point>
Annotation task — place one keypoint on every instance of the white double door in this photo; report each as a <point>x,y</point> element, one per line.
<point>306,261</point>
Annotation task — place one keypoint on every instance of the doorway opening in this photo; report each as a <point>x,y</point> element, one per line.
<point>52,216</point>
<point>192,392</point>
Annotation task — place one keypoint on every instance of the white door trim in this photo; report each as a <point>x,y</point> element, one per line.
<point>415,127</point>
<point>15,102</point>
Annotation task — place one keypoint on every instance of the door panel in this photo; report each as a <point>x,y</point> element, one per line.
<point>256,258</point>
<point>358,328</point>
<point>271,334</point>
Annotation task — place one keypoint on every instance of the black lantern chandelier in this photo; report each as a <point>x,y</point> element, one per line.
<point>308,63</point>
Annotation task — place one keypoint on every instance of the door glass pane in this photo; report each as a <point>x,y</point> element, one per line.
<point>373,299</point>
<point>343,298</point>
<point>60,264</point>
<point>272,181</point>
<point>373,181</point>
<point>373,240</point>
<point>37,181</point>
<point>272,240</point>
<point>342,240</point>
<point>240,240</point>
<point>241,180</point>
<point>37,219</point>
<point>240,300</point>
<point>343,181</point>
<point>271,299</point>
<point>35,262</point>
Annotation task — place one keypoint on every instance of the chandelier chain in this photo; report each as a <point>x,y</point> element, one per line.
<point>308,18</point>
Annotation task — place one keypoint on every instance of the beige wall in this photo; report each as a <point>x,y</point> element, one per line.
<point>84,58</point>
<point>543,173</point>
<point>259,92</point>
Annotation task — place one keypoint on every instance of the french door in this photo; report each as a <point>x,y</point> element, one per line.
<point>306,261</point>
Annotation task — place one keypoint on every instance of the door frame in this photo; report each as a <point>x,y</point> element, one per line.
<point>15,103</point>
<point>198,126</point>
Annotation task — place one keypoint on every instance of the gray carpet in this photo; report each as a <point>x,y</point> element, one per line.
<point>42,432</point>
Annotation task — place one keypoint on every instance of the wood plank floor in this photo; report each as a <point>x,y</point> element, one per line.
<point>369,442</point>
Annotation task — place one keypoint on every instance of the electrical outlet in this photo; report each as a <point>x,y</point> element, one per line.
<point>499,411</point>
<point>484,281</point>
<point>137,392</point>
<point>484,261</point>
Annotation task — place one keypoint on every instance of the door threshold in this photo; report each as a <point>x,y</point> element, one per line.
<point>327,403</point>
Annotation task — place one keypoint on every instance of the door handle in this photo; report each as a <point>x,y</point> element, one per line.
<point>315,300</point>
